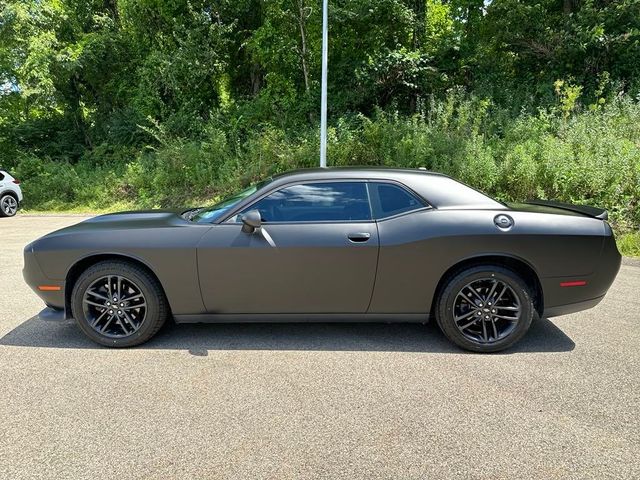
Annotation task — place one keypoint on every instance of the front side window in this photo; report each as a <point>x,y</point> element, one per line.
<point>390,199</point>
<point>210,214</point>
<point>316,202</point>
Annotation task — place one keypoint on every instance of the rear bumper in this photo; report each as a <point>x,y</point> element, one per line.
<point>562,298</point>
<point>571,307</point>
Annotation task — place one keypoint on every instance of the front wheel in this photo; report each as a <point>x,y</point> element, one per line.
<point>118,304</point>
<point>485,308</point>
<point>8,206</point>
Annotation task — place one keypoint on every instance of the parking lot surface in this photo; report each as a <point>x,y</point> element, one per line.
<point>274,401</point>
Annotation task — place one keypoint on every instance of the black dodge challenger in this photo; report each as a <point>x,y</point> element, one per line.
<point>346,244</point>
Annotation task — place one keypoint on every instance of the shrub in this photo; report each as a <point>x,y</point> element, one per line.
<point>587,157</point>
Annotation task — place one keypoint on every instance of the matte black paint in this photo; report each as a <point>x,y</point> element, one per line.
<point>314,270</point>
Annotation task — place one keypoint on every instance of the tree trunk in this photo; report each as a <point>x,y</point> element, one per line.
<point>256,78</point>
<point>419,24</point>
<point>78,117</point>
<point>112,7</point>
<point>570,6</point>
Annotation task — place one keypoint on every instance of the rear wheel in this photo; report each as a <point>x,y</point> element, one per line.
<point>8,206</point>
<point>118,304</point>
<point>485,308</point>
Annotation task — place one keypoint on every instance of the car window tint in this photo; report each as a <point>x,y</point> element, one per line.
<point>393,199</point>
<point>1,176</point>
<point>316,202</point>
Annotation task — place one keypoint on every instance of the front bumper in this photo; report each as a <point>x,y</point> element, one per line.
<point>52,315</point>
<point>36,279</point>
<point>571,307</point>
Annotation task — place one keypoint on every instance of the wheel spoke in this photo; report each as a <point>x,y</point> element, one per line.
<point>495,330</point>
<point>113,320</point>
<point>124,329</point>
<point>129,320</point>
<point>93,293</point>
<point>494,323</point>
<point>462,296</point>
<point>466,315</point>
<point>134,297</point>
<point>485,337</point>
<point>133,307</point>
<point>493,289</point>
<point>94,304</point>
<point>100,317</point>
<point>107,323</point>
<point>504,289</point>
<point>475,293</point>
<point>109,286</point>
<point>467,325</point>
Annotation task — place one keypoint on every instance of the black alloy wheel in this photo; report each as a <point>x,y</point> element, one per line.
<point>119,304</point>
<point>114,306</point>
<point>485,308</point>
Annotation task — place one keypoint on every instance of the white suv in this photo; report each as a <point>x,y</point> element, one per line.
<point>10,195</point>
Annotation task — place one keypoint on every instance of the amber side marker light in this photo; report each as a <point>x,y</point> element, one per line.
<point>577,283</point>
<point>49,288</point>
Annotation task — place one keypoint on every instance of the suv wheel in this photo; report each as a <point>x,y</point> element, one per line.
<point>8,206</point>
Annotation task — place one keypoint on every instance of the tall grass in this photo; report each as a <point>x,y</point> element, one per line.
<point>591,157</point>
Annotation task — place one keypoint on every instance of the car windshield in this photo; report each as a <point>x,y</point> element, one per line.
<point>210,214</point>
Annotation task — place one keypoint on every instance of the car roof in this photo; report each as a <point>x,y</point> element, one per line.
<point>439,190</point>
<point>350,172</point>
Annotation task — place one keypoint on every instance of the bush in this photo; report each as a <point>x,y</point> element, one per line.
<point>590,157</point>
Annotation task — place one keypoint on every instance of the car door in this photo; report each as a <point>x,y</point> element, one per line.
<point>315,252</point>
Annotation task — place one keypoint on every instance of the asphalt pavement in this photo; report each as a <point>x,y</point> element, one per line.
<point>277,401</point>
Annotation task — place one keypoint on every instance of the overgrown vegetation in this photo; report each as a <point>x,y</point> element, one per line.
<point>148,103</point>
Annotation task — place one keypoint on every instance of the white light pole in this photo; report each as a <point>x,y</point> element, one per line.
<point>323,100</point>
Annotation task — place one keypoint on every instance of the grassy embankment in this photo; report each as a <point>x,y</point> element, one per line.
<point>590,157</point>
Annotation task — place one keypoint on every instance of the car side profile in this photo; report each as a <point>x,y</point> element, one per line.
<point>340,244</point>
<point>10,194</point>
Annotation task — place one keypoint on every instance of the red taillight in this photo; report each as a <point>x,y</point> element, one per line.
<point>576,283</point>
<point>16,181</point>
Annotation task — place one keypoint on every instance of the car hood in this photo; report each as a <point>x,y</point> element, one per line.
<point>127,220</point>
<point>146,217</point>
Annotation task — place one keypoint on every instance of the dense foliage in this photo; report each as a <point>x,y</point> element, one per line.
<point>114,103</point>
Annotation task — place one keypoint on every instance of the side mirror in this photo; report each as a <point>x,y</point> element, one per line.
<point>251,221</point>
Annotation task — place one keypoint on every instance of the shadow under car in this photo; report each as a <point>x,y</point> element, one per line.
<point>199,339</point>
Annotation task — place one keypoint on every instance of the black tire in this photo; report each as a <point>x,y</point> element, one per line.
<point>453,300</point>
<point>8,205</point>
<point>156,308</point>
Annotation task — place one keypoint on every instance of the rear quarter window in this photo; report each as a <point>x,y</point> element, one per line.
<point>389,199</point>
